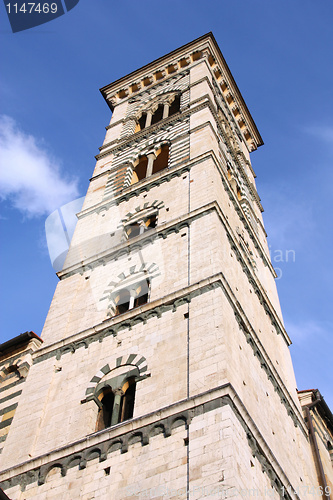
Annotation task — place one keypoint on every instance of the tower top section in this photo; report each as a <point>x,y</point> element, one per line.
<point>178,60</point>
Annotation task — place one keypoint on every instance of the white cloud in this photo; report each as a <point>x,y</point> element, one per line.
<point>30,178</point>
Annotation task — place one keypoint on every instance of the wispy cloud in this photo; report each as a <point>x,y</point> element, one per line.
<point>308,331</point>
<point>322,132</point>
<point>288,216</point>
<point>31,179</point>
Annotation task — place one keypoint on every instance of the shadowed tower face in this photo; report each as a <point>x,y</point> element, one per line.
<point>165,363</point>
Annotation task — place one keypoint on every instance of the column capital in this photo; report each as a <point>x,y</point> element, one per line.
<point>118,392</point>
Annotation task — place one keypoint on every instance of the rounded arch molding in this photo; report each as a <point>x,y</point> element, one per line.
<point>151,145</point>
<point>141,210</point>
<point>151,104</point>
<point>131,359</point>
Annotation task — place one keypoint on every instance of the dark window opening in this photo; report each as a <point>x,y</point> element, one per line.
<point>141,169</point>
<point>144,225</point>
<point>130,298</point>
<point>139,301</point>
<point>175,106</point>
<point>160,163</point>
<point>162,159</point>
<point>142,121</point>
<point>122,302</point>
<point>141,294</point>
<point>12,369</point>
<point>133,230</point>
<point>117,406</point>
<point>105,413</point>
<point>158,115</point>
<point>151,223</point>
<point>121,308</point>
<point>127,402</point>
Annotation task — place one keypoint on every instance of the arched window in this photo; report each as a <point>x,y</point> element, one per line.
<point>141,294</point>
<point>127,400</point>
<point>116,405</point>
<point>175,106</point>
<point>158,115</point>
<point>142,121</point>
<point>162,159</point>
<point>123,301</point>
<point>105,412</point>
<point>140,170</point>
<point>131,297</point>
<point>169,105</point>
<point>141,226</point>
<point>151,164</point>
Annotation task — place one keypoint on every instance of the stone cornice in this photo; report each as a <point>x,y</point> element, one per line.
<point>171,302</point>
<point>114,124</point>
<point>112,326</point>
<point>196,106</point>
<point>165,176</point>
<point>231,116</point>
<point>147,238</point>
<point>232,93</point>
<point>175,226</point>
<point>136,137</point>
<point>146,131</point>
<point>152,128</point>
<point>135,244</point>
<point>233,198</point>
<point>186,56</point>
<point>140,187</point>
<point>141,429</point>
<point>234,155</point>
<point>240,211</point>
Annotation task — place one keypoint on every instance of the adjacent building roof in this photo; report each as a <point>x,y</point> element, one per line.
<point>23,338</point>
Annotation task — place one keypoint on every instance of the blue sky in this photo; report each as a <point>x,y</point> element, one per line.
<point>53,118</point>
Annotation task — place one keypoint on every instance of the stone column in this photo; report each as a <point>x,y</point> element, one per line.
<point>118,393</point>
<point>148,118</point>
<point>151,158</point>
<point>166,110</point>
<point>132,297</point>
<point>142,226</point>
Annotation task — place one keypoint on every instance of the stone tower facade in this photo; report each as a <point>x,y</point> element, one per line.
<point>165,370</point>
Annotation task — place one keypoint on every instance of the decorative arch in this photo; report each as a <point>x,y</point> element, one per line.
<point>142,220</point>
<point>128,360</point>
<point>152,111</point>
<point>45,471</point>
<point>141,211</point>
<point>150,160</point>
<point>115,396</point>
<point>130,287</point>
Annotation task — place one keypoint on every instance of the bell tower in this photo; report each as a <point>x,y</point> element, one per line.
<point>165,365</point>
